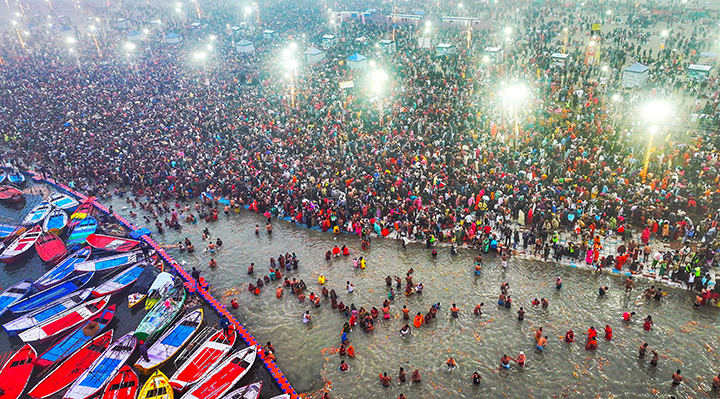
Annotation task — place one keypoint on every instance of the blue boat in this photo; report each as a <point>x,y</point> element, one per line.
<point>64,202</point>
<point>3,175</point>
<point>39,315</point>
<point>56,221</point>
<point>64,269</point>
<point>103,369</point>
<point>51,294</point>
<point>13,294</point>
<point>6,230</point>
<point>16,177</point>
<point>120,281</point>
<point>82,230</point>
<point>109,263</point>
<point>76,339</point>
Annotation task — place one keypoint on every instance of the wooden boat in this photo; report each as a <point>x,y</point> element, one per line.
<point>56,221</point>
<point>120,281</point>
<point>50,247</point>
<point>83,211</point>
<point>123,386</point>
<point>16,371</point>
<point>103,369</point>
<point>64,202</point>
<point>283,396</point>
<point>81,230</point>
<point>251,391</point>
<point>205,358</point>
<point>65,321</point>
<point>11,237</point>
<point>110,243</point>
<point>161,315</point>
<point>21,246</point>
<point>6,230</point>
<point>3,175</point>
<point>64,374</point>
<point>139,290</point>
<point>157,386</point>
<point>48,295</point>
<point>10,194</point>
<point>14,294</point>
<point>221,379</point>
<point>77,338</point>
<point>64,268</point>
<point>38,316</point>
<point>109,263</point>
<point>160,287</point>
<point>16,177</point>
<point>37,214</point>
<point>171,342</point>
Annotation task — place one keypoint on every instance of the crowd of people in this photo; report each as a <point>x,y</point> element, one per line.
<point>437,154</point>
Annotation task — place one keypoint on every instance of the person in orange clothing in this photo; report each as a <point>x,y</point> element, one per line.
<point>591,345</point>
<point>350,351</point>
<point>538,334</point>
<point>608,332</point>
<point>570,336</point>
<point>592,333</point>
<point>418,320</point>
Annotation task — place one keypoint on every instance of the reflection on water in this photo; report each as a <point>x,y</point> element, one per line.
<point>685,337</point>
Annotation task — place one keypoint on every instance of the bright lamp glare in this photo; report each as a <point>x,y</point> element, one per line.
<point>514,94</point>
<point>655,111</point>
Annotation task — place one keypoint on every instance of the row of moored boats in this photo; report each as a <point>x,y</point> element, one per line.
<point>69,310</point>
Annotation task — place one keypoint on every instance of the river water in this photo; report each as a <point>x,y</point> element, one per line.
<point>685,337</point>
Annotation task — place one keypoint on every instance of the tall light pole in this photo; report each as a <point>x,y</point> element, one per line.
<point>290,64</point>
<point>512,97</point>
<point>653,113</point>
<point>379,78</point>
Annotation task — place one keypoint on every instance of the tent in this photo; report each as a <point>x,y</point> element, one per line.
<point>357,61</point>
<point>63,20</point>
<point>388,46</point>
<point>122,23</point>
<point>444,49</point>
<point>558,60</point>
<point>698,72</point>
<point>636,75</point>
<point>329,41</point>
<point>424,42</point>
<point>244,46</point>
<point>314,55</point>
<point>134,36</point>
<point>172,38</point>
<point>268,34</point>
<point>493,54</point>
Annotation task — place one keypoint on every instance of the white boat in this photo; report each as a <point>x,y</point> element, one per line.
<point>64,268</point>
<point>37,214</point>
<point>198,362</point>
<point>64,321</point>
<point>37,316</point>
<point>109,263</point>
<point>171,341</point>
<point>162,284</point>
<point>103,369</point>
<point>121,280</point>
<point>21,246</point>
<point>251,391</point>
<point>64,202</point>
<point>221,379</point>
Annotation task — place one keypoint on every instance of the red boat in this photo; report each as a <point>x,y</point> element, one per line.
<point>16,372</point>
<point>110,243</point>
<point>203,360</point>
<point>10,194</point>
<point>67,372</point>
<point>81,212</point>
<point>123,386</point>
<point>50,247</point>
<point>21,246</point>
